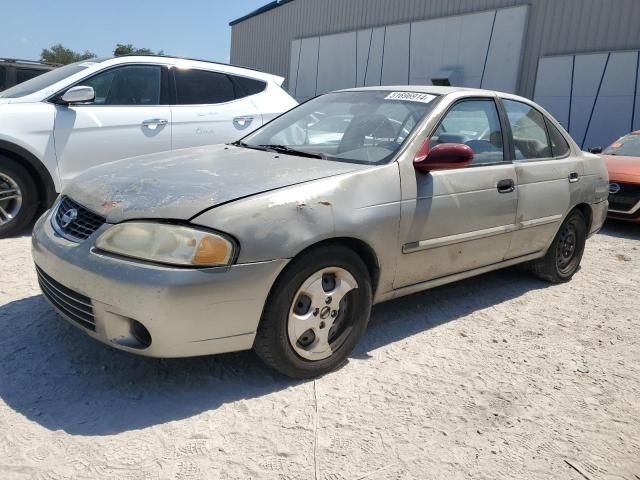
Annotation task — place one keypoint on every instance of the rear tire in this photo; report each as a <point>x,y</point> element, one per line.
<point>316,312</point>
<point>563,258</point>
<point>18,198</point>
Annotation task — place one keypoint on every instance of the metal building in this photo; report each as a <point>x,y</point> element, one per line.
<point>580,59</point>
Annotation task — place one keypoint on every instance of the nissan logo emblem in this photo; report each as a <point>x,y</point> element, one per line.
<point>69,217</point>
<point>614,188</point>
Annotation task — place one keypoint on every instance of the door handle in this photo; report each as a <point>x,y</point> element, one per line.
<point>574,177</point>
<point>242,121</point>
<point>154,123</point>
<point>506,186</point>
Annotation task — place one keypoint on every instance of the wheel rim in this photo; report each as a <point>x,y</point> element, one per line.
<point>320,317</point>
<point>10,199</point>
<point>567,247</point>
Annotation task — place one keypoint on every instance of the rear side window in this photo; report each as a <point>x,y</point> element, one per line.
<point>248,86</point>
<point>559,146</point>
<point>529,131</point>
<point>202,87</point>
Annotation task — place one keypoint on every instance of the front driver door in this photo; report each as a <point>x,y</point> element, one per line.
<point>457,220</point>
<point>126,119</point>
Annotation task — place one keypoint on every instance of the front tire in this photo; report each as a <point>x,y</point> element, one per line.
<point>316,312</point>
<point>563,258</point>
<point>18,198</point>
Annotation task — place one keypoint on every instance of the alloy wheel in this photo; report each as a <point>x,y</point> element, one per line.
<point>10,199</point>
<point>319,320</point>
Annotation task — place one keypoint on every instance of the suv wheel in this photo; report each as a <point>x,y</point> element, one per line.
<point>316,313</point>
<point>18,198</point>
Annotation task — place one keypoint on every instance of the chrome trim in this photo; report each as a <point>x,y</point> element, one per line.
<point>477,234</point>
<point>453,239</point>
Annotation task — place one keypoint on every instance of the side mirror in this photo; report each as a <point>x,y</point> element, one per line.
<point>595,150</point>
<point>79,94</point>
<point>442,157</point>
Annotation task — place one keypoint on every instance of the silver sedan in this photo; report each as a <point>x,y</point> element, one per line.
<point>283,241</point>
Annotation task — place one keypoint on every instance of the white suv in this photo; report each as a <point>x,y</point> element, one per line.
<point>61,123</point>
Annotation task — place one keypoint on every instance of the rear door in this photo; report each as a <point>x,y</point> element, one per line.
<point>126,119</point>
<point>457,220</point>
<point>210,107</point>
<point>547,175</point>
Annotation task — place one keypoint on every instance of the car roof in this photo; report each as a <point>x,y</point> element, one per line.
<point>190,62</point>
<point>430,89</point>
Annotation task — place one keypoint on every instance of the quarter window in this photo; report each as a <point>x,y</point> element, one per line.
<point>130,85</point>
<point>249,86</point>
<point>559,146</point>
<point>529,131</point>
<point>202,87</point>
<point>474,123</point>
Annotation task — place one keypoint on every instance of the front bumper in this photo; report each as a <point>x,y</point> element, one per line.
<point>187,312</point>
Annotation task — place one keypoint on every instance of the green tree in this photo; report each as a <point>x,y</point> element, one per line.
<point>60,54</point>
<point>128,49</point>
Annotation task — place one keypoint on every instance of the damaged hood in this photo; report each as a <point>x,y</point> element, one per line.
<point>181,184</point>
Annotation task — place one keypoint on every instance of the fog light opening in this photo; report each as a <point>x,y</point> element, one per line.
<point>141,333</point>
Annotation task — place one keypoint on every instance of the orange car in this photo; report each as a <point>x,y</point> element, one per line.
<point>623,162</point>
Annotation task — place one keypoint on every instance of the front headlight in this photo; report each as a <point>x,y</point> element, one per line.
<point>165,243</point>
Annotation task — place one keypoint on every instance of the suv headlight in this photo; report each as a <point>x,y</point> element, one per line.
<point>170,244</point>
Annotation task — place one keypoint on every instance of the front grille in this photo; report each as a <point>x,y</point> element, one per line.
<point>71,304</point>
<point>75,222</point>
<point>626,198</point>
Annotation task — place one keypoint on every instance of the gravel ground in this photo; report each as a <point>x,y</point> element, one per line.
<point>497,377</point>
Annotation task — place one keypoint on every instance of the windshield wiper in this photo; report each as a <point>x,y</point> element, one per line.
<point>292,151</point>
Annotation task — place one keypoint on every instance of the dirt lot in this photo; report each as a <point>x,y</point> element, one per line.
<point>497,377</point>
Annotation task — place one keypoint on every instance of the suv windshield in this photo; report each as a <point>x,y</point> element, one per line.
<point>360,127</point>
<point>45,80</point>
<point>629,146</point>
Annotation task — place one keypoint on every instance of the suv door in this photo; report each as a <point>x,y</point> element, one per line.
<point>457,220</point>
<point>548,176</point>
<point>210,107</point>
<point>126,119</point>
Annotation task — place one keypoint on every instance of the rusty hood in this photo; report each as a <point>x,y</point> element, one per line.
<point>181,184</point>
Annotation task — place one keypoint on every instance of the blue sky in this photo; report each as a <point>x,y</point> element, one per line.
<point>191,28</point>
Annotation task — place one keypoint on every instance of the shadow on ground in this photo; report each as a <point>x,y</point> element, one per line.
<point>53,374</point>
<point>618,229</point>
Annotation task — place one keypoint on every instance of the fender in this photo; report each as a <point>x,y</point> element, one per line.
<point>42,176</point>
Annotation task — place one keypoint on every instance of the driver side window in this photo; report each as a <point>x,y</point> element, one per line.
<point>130,85</point>
<point>474,123</point>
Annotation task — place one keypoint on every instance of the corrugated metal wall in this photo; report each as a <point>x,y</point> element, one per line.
<point>555,27</point>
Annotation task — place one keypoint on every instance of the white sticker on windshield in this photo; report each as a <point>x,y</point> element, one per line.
<point>87,64</point>
<point>410,97</point>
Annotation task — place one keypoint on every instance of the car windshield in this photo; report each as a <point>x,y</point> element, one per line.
<point>360,127</point>
<point>45,80</point>
<point>629,146</point>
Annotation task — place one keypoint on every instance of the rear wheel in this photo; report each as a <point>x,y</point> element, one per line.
<point>316,313</point>
<point>565,253</point>
<point>18,198</point>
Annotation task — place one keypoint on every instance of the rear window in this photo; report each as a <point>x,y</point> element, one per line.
<point>3,77</point>
<point>202,87</point>
<point>249,86</point>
